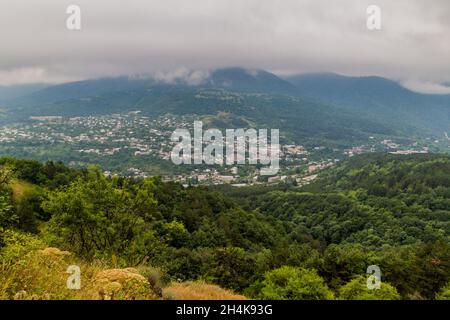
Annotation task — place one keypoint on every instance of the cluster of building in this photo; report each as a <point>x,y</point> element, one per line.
<point>137,135</point>
<point>99,135</point>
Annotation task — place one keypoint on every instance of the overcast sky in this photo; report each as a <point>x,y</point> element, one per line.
<point>283,36</point>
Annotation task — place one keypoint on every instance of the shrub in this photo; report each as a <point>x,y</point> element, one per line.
<point>30,270</point>
<point>291,283</point>
<point>444,294</point>
<point>357,289</point>
<point>127,284</point>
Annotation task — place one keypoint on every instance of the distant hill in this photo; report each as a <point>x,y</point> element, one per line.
<point>239,79</point>
<point>15,91</point>
<point>80,89</point>
<point>233,79</point>
<point>391,176</point>
<point>314,105</point>
<point>380,99</point>
<point>298,119</point>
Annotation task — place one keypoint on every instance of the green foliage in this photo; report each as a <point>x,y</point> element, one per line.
<point>5,175</point>
<point>14,245</point>
<point>233,268</point>
<point>7,215</point>
<point>444,294</point>
<point>290,283</point>
<point>100,217</point>
<point>267,242</point>
<point>175,234</point>
<point>357,289</point>
<point>338,217</point>
<point>342,262</point>
<point>51,174</point>
<point>28,207</point>
<point>390,175</point>
<point>430,268</point>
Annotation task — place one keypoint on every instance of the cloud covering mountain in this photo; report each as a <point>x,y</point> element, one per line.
<point>164,37</point>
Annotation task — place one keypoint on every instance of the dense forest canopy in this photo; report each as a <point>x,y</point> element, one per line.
<point>281,242</point>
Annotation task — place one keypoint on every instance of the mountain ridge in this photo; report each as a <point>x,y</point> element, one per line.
<point>370,98</point>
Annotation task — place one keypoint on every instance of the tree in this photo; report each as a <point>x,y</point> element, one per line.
<point>5,176</point>
<point>175,234</point>
<point>98,217</point>
<point>431,268</point>
<point>7,214</point>
<point>291,283</point>
<point>342,262</point>
<point>233,268</point>
<point>357,289</point>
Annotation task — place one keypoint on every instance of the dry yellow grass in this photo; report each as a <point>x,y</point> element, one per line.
<point>198,291</point>
<point>31,271</point>
<point>125,284</point>
<point>42,275</point>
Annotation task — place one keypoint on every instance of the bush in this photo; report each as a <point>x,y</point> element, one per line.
<point>357,289</point>
<point>291,283</point>
<point>8,217</point>
<point>30,271</point>
<point>14,245</point>
<point>123,284</point>
<point>444,294</point>
<point>156,277</point>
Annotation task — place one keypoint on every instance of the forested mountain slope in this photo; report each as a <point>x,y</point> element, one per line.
<point>327,237</point>
<point>379,99</point>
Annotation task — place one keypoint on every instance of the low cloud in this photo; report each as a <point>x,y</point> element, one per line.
<point>30,75</point>
<point>182,75</point>
<point>282,36</point>
<point>426,87</point>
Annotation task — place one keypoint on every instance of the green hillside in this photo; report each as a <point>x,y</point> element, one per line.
<point>378,99</point>
<point>299,119</point>
<point>257,248</point>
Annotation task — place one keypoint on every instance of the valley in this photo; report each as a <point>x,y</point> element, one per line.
<point>87,179</point>
<point>245,152</point>
<point>123,125</point>
<point>134,145</point>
